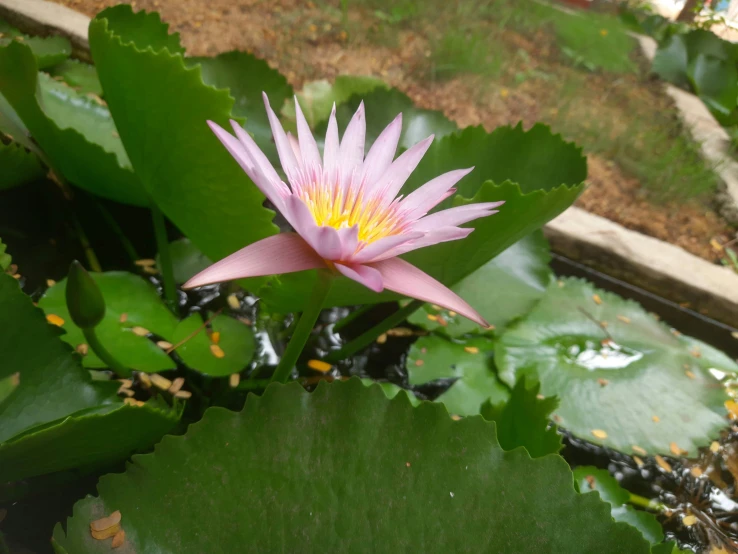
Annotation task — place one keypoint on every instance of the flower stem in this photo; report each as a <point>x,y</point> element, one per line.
<point>92,260</point>
<point>366,338</point>
<point>304,327</point>
<point>113,224</point>
<point>102,353</point>
<point>646,503</point>
<point>165,259</point>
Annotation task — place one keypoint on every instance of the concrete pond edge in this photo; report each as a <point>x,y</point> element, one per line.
<point>643,261</point>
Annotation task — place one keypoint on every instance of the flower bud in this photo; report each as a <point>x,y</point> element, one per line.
<point>85,302</point>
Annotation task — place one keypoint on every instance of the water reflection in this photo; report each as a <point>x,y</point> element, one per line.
<point>606,354</point>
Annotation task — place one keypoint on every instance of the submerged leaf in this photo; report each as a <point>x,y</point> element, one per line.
<point>345,453</point>
<point>19,166</point>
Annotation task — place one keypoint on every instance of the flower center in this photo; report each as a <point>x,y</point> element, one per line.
<point>342,210</point>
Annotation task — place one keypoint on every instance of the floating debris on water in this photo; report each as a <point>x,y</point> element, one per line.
<point>319,365</point>
<point>599,433</point>
<point>54,320</point>
<point>217,351</point>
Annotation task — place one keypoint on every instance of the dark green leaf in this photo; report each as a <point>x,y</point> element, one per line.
<point>523,421</point>
<point>301,462</point>
<point>671,60</point>
<point>187,260</point>
<point>160,108</point>
<point>128,294</point>
<point>502,290</point>
<point>49,51</point>
<point>246,77</point>
<point>590,478</point>
<point>647,388</point>
<point>87,439</point>
<point>469,363</point>
<point>392,390</point>
<point>74,131</point>
<point>19,166</point>
<point>5,258</point>
<point>716,83</point>
<point>236,340</point>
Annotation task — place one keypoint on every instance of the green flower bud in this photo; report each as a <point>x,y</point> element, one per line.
<point>85,302</point>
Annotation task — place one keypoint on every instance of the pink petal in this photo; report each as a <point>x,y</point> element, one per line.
<point>331,147</point>
<point>352,146</point>
<point>444,234</point>
<point>326,242</point>
<point>456,216</point>
<point>308,147</point>
<point>295,147</point>
<point>259,158</point>
<point>367,276</point>
<point>375,249</point>
<point>349,241</point>
<point>406,279</point>
<point>391,182</point>
<point>248,164</point>
<point>286,155</point>
<point>382,151</point>
<point>299,216</point>
<point>283,253</point>
<point>423,199</point>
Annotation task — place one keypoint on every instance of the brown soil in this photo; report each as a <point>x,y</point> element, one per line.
<point>306,42</point>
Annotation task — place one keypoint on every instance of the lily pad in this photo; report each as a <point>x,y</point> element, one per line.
<point>52,384</point>
<point>55,407</point>
<point>590,478</point>
<point>48,51</point>
<point>469,363</point>
<point>87,439</point>
<point>523,421</point>
<point>547,174</point>
<point>235,345</point>
<point>67,125</point>
<point>19,166</point>
<point>5,258</point>
<point>246,77</point>
<point>624,379</point>
<point>80,75</point>
<point>502,290</point>
<point>127,294</point>
<point>160,106</point>
<point>292,492</point>
<point>187,260</point>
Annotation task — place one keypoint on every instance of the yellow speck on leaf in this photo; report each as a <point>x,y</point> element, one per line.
<point>233,302</point>
<point>164,345</point>
<point>160,382</point>
<point>696,471</point>
<point>217,351</point>
<point>145,262</point>
<point>50,283</point>
<point>432,317</point>
<point>123,317</point>
<point>183,394</point>
<point>471,349</point>
<point>655,418</point>
<point>381,339</point>
<point>145,380</point>
<point>82,349</point>
<point>504,93</point>
<point>118,539</point>
<point>638,461</point>
<point>599,433</point>
<point>54,320</point>
<point>674,448</point>
<point>689,374</point>
<point>319,365</point>
<point>452,313</point>
<point>215,337</point>
<point>714,447</point>
<point>624,319</point>
<point>597,299</point>
<point>419,363</point>
<point>603,382</point>
<point>638,450</point>
<point>106,522</point>
<point>176,385</point>
<point>140,331</point>
<point>663,464</point>
<point>603,32</point>
<point>234,380</point>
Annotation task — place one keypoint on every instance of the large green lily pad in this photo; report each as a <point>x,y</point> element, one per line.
<point>19,166</point>
<point>590,478</point>
<point>540,176</point>
<point>187,260</point>
<point>469,362</point>
<point>246,77</point>
<point>633,383</point>
<point>344,469</point>
<point>502,290</point>
<point>160,108</point>
<point>235,342</point>
<point>68,125</point>
<point>127,294</point>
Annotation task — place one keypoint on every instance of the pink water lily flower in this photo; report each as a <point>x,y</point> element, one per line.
<point>346,211</point>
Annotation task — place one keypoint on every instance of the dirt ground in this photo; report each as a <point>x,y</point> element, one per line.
<point>307,42</point>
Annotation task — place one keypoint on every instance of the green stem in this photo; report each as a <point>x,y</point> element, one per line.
<point>165,258</point>
<point>366,338</point>
<point>304,327</point>
<point>113,224</point>
<point>102,353</point>
<point>646,503</point>
<point>92,260</point>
